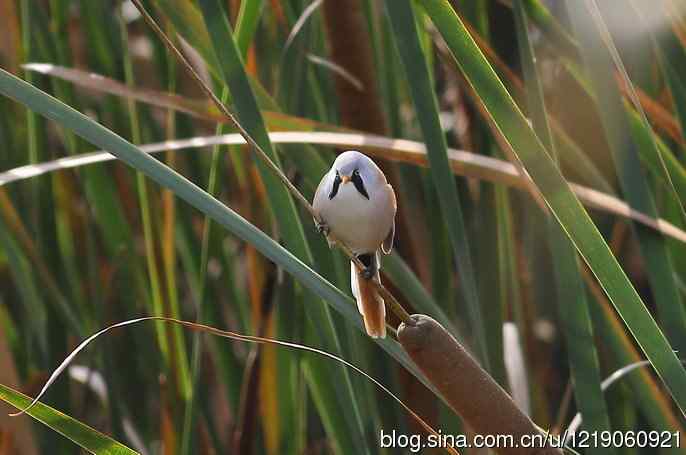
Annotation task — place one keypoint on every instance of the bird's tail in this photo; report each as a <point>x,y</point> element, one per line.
<point>369,302</point>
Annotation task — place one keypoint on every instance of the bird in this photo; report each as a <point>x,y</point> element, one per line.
<point>355,204</point>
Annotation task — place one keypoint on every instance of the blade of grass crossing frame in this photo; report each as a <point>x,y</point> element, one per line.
<point>572,304</point>
<point>100,136</point>
<point>233,73</point>
<point>300,87</point>
<point>283,207</point>
<point>632,96</point>
<point>169,247</point>
<point>188,23</point>
<point>659,267</point>
<point>426,106</point>
<point>563,204</point>
<point>246,24</point>
<point>81,434</point>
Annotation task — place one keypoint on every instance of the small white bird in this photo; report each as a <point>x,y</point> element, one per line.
<point>362,216</point>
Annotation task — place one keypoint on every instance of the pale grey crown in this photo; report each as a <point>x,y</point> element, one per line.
<point>349,161</point>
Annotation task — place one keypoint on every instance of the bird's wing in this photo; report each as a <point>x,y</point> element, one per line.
<point>320,195</point>
<point>387,244</point>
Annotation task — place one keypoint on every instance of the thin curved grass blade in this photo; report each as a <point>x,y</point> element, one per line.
<point>613,378</point>
<point>100,136</point>
<point>35,402</point>
<point>336,69</point>
<point>307,12</point>
<point>646,390</point>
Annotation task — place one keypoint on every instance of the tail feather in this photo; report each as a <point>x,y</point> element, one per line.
<point>369,303</point>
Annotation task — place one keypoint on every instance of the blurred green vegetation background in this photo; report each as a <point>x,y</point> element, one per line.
<point>602,86</point>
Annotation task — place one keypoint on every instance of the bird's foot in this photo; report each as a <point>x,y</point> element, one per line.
<point>369,270</point>
<point>323,227</point>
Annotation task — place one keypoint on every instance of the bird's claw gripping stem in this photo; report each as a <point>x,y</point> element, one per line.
<point>323,227</point>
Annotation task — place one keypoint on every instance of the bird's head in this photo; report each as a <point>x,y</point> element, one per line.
<point>352,167</point>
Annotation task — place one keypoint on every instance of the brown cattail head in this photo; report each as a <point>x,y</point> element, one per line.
<point>466,387</point>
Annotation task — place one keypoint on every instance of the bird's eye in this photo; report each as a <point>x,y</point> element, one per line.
<point>356,172</point>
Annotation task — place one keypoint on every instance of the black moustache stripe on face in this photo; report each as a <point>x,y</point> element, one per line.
<point>357,181</point>
<point>359,185</point>
<point>336,184</point>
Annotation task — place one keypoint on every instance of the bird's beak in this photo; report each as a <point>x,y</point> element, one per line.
<point>345,179</point>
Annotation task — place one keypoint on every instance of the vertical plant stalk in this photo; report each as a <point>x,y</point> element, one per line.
<point>171,341</point>
<point>251,391</point>
<point>32,138</point>
<point>349,42</point>
<point>23,440</point>
<point>572,303</point>
<point>403,20</point>
<point>349,45</point>
<point>169,249</point>
<point>14,40</point>
<point>467,388</point>
<point>189,415</point>
<point>233,73</point>
<point>153,272</point>
<point>244,33</point>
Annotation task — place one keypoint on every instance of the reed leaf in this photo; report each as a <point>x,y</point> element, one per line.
<point>563,204</point>
<point>82,435</point>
